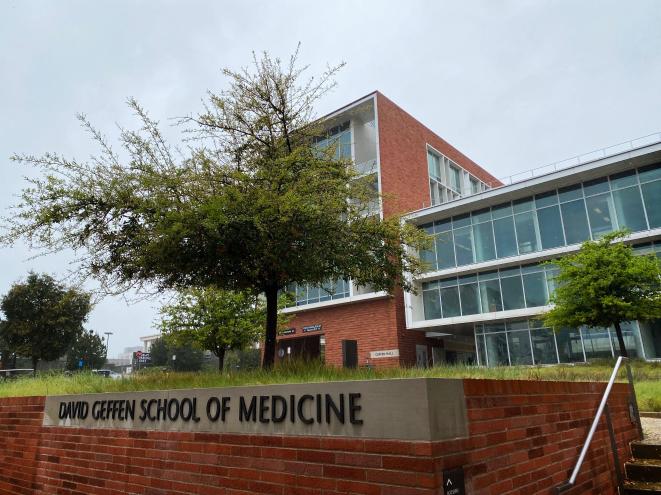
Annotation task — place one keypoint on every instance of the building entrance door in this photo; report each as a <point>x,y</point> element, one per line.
<point>421,357</point>
<point>301,348</point>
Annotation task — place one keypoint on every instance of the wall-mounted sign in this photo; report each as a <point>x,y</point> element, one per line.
<point>312,328</point>
<point>384,354</point>
<point>408,409</point>
<point>288,331</point>
<point>453,482</point>
<point>142,357</point>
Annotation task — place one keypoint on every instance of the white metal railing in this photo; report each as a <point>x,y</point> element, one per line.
<point>603,407</point>
<point>590,156</point>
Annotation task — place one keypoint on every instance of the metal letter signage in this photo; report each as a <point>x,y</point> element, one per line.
<point>406,409</point>
<point>384,354</point>
<point>312,328</point>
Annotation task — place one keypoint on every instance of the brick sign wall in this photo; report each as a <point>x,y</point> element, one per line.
<point>523,438</point>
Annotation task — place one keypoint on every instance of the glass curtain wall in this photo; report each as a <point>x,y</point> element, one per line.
<point>446,181</point>
<point>529,342</point>
<point>310,294</point>
<point>553,219</point>
<point>525,286</point>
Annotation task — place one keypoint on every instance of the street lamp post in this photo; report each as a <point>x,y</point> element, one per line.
<point>108,334</point>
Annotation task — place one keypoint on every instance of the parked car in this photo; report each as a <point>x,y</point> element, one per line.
<point>108,374</point>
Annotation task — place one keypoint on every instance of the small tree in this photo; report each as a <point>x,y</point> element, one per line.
<point>215,320</point>
<point>89,348</point>
<point>605,284</point>
<point>252,204</point>
<point>42,317</point>
<point>186,356</point>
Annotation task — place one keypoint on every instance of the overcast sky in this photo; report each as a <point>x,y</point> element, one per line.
<point>513,84</point>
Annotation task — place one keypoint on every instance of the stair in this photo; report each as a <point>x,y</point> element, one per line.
<point>643,472</point>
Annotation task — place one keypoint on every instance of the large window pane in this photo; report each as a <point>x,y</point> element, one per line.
<point>534,285</point>
<point>512,293</point>
<point>570,349</point>
<point>444,250</point>
<point>463,242</point>
<point>597,343</point>
<point>550,227</point>
<point>519,345</point>
<point>428,256</point>
<point>629,209</point>
<point>490,295</point>
<point>470,300</point>
<point>432,304</point>
<point>450,302</point>
<point>600,213</point>
<point>650,333</point>
<point>543,346</point>
<point>652,197</point>
<point>575,221</point>
<point>496,344</point>
<point>631,338</point>
<point>526,232</point>
<point>484,244</point>
<point>481,350</point>
<point>505,237</point>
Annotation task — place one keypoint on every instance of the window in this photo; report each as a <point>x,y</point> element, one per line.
<point>629,209</point>
<point>600,214</point>
<point>475,185</point>
<point>455,178</point>
<point>550,227</point>
<point>446,179</point>
<point>575,221</point>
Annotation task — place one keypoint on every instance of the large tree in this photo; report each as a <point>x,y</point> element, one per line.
<point>251,204</point>
<point>605,284</point>
<point>89,348</point>
<point>42,317</point>
<point>214,319</point>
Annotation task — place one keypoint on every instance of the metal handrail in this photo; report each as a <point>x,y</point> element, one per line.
<point>593,428</point>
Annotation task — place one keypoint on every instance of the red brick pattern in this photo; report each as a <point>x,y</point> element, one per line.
<point>524,439</point>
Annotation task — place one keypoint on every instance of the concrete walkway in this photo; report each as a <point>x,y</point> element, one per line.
<point>652,429</point>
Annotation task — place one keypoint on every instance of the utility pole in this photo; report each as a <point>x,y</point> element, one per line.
<point>108,334</point>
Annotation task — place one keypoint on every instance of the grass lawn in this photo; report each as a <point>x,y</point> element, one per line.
<point>647,377</point>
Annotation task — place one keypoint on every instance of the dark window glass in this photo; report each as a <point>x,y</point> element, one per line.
<point>470,302</point>
<point>484,244</point>
<point>461,221</point>
<point>501,211</point>
<point>490,296</point>
<point>629,209</point>
<point>444,250</point>
<point>432,304</point>
<point>481,215</point>
<point>526,232</point>
<point>512,293</point>
<point>652,172</point>
<point>481,351</point>
<point>450,302</point>
<point>505,237</point>
<point>546,199</point>
<point>575,221</point>
<point>496,344</point>
<point>625,179</point>
<point>600,213</point>
<point>442,225</point>
<point>543,346</point>
<point>597,343</point>
<point>596,186</point>
<point>534,286</point>
<point>652,197</point>
<point>521,205</point>
<point>570,193</point>
<point>463,242</point>
<point>550,227</point>
<point>428,256</point>
<point>519,346</point>
<point>570,349</point>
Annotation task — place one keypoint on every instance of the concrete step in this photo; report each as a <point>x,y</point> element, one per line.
<point>640,488</point>
<point>648,470</point>
<point>643,450</point>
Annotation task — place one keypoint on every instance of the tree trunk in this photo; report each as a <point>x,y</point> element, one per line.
<point>271,327</point>
<point>620,340</point>
<point>221,358</point>
<point>35,360</point>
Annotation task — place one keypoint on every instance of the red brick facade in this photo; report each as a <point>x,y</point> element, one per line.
<point>524,439</point>
<point>381,324</point>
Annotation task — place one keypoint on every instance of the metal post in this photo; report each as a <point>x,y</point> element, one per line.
<point>633,402</point>
<point>616,456</point>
